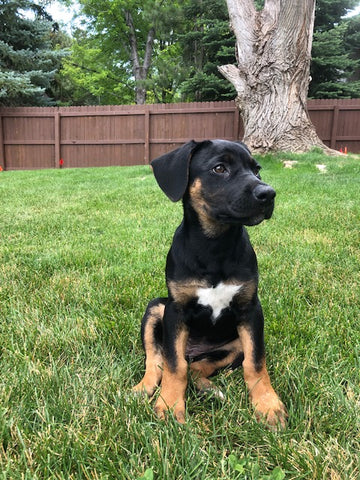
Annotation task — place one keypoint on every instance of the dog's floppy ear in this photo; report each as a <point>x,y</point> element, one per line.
<point>171,170</point>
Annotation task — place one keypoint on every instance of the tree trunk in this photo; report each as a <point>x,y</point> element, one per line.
<point>272,76</point>
<point>140,71</point>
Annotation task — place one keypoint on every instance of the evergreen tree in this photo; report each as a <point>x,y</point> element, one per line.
<point>206,44</point>
<point>352,44</point>
<point>28,60</point>
<point>333,63</point>
<point>329,13</point>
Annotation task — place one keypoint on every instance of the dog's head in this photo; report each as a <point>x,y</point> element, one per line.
<point>221,180</point>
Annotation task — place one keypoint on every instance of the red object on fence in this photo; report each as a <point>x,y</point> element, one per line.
<point>1,168</point>
<point>61,163</point>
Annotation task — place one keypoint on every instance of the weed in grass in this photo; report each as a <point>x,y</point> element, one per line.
<point>82,252</point>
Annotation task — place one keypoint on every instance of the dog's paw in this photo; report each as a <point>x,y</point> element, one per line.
<point>212,392</point>
<point>206,388</point>
<point>162,409</point>
<point>143,389</point>
<point>270,410</point>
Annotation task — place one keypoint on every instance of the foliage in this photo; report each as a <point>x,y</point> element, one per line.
<point>167,73</point>
<point>102,63</point>
<point>247,469</point>
<point>352,44</point>
<point>332,65</point>
<point>335,52</point>
<point>90,75</point>
<point>206,44</point>
<point>329,13</point>
<point>191,39</point>
<point>83,250</point>
<point>30,53</point>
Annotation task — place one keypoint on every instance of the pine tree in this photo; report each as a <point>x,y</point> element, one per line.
<point>206,44</point>
<point>352,45</point>
<point>28,61</point>
<point>334,58</point>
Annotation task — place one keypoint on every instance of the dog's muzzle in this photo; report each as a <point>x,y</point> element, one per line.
<point>264,194</point>
<point>260,205</point>
<point>263,197</point>
<point>249,208</point>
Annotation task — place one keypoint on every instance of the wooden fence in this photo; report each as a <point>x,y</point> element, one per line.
<point>50,137</point>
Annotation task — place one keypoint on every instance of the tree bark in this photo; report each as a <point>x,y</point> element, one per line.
<point>272,76</point>
<point>140,71</point>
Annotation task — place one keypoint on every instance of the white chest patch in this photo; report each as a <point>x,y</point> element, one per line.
<point>217,298</point>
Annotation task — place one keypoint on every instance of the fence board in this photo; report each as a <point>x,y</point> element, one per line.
<point>33,137</point>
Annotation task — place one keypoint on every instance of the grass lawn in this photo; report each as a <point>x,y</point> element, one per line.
<point>81,253</point>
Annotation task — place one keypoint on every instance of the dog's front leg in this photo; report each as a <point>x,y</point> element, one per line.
<point>267,404</point>
<point>174,379</point>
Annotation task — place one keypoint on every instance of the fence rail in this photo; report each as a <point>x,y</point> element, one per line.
<point>47,137</point>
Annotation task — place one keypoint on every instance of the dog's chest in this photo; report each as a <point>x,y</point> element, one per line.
<point>218,297</point>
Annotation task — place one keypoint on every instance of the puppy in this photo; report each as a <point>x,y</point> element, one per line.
<point>212,317</point>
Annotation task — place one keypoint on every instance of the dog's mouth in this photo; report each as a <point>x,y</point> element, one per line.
<point>250,220</point>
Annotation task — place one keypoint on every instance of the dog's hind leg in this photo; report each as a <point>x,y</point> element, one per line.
<point>151,334</point>
<point>227,356</point>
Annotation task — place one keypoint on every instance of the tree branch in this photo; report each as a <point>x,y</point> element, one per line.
<point>269,16</point>
<point>133,43</point>
<point>232,73</point>
<point>149,48</point>
<point>242,21</point>
<point>296,20</point>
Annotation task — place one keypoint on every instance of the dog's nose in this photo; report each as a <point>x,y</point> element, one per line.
<point>264,193</point>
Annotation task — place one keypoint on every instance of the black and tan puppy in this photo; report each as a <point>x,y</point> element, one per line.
<point>212,317</point>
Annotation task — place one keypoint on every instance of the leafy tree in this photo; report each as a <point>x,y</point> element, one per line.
<point>167,73</point>
<point>122,36</point>
<point>91,76</point>
<point>167,69</point>
<point>29,56</point>
<point>190,38</point>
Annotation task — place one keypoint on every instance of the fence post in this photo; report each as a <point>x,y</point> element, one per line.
<point>57,138</point>
<point>2,146</point>
<point>147,135</point>
<point>334,127</point>
<point>236,123</point>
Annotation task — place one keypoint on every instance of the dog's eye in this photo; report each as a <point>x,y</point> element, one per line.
<point>220,169</point>
<point>257,170</point>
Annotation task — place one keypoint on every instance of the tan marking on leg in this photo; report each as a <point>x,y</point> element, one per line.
<point>210,227</point>
<point>174,383</point>
<point>154,357</point>
<point>267,404</point>
<point>202,369</point>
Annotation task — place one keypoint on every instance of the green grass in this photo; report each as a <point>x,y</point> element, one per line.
<point>82,251</point>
